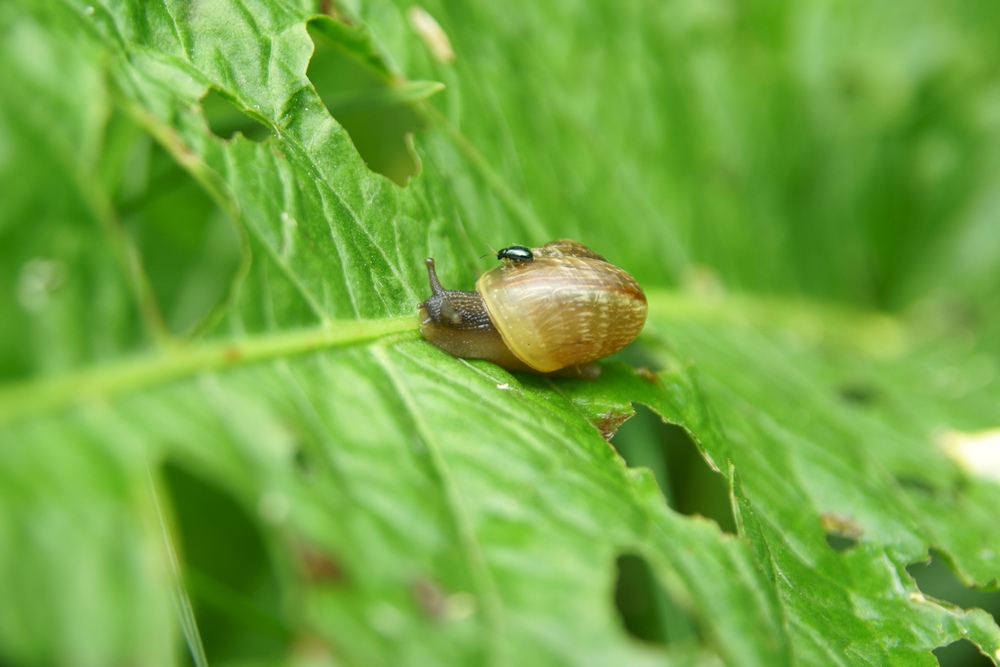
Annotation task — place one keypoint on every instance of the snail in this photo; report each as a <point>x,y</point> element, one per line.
<point>553,309</point>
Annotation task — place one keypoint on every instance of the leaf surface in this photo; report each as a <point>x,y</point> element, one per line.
<point>210,344</point>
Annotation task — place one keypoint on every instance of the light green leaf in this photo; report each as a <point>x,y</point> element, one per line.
<point>209,348</point>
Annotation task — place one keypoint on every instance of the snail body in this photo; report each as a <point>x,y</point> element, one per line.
<point>552,309</point>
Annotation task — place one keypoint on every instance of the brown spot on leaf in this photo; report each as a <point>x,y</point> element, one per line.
<point>430,598</point>
<point>647,374</point>
<point>839,524</point>
<point>609,422</point>
<point>318,566</point>
<point>842,533</point>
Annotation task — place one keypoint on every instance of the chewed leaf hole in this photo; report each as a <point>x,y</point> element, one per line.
<point>858,394</point>
<point>962,653</point>
<point>646,611</point>
<point>919,486</point>
<point>840,543</point>
<point>226,119</point>
<point>186,245</point>
<point>379,109</point>
<point>227,570</point>
<point>936,579</point>
<point>689,485</point>
<point>842,533</point>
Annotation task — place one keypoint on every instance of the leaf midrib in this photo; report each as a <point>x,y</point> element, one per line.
<point>37,396</point>
<point>875,334</point>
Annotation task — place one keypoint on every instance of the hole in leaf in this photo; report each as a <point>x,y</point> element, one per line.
<point>646,611</point>
<point>840,543</point>
<point>923,487</point>
<point>188,248</point>
<point>962,653</point>
<point>304,462</point>
<point>858,394</point>
<point>635,599</point>
<point>688,483</point>
<point>937,579</point>
<point>226,118</point>
<point>842,533</point>
<point>227,572</point>
<point>378,108</point>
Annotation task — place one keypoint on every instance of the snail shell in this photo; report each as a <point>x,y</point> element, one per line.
<point>560,306</point>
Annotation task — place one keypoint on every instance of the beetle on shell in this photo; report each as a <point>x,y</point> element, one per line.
<point>547,310</point>
<point>517,253</point>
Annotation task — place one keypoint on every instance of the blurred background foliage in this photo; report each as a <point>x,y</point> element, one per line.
<point>842,150</point>
<point>835,153</point>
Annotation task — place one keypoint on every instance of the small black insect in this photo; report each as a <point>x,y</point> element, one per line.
<point>516,253</point>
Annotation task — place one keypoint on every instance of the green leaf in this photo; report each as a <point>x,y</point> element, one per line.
<point>222,437</point>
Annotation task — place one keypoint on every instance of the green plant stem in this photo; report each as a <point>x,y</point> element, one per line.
<point>38,396</point>
<point>872,334</point>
